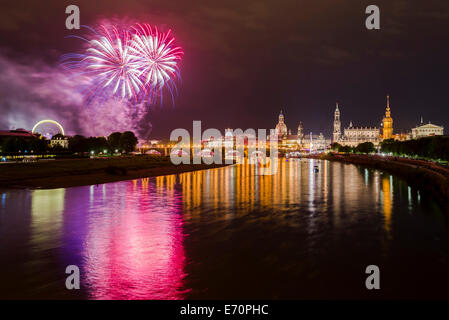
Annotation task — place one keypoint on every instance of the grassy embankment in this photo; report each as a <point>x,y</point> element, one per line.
<point>78,172</point>
<point>428,176</point>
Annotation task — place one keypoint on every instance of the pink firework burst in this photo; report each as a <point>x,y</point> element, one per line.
<point>109,61</point>
<point>156,56</point>
<point>134,64</point>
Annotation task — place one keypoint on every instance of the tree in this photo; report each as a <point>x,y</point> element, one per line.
<point>336,146</point>
<point>430,147</point>
<point>97,144</point>
<point>38,145</point>
<point>78,144</point>
<point>128,141</point>
<point>365,147</point>
<point>14,144</point>
<point>114,140</point>
<point>345,149</point>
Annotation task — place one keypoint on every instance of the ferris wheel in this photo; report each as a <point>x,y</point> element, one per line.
<point>48,128</point>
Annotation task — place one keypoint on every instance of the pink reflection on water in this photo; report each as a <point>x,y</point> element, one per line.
<point>134,244</point>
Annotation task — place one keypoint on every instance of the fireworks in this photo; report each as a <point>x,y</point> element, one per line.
<point>135,64</point>
<point>156,57</point>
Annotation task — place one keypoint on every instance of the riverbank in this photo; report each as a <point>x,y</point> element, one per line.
<point>428,176</point>
<point>81,172</point>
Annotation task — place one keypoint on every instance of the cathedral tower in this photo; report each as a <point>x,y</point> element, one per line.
<point>387,121</point>
<point>337,125</point>
<point>300,135</point>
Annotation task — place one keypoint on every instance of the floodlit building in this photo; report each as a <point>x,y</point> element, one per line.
<point>281,127</point>
<point>59,140</point>
<point>352,135</point>
<point>337,125</point>
<point>300,134</point>
<point>387,123</point>
<point>426,130</point>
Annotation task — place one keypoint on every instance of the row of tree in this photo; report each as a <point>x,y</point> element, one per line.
<point>17,144</point>
<point>430,147</point>
<point>365,147</point>
<point>115,142</point>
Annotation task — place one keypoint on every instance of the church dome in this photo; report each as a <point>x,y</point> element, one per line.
<point>281,128</point>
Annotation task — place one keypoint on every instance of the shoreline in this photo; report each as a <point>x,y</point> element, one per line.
<point>85,172</point>
<point>428,176</point>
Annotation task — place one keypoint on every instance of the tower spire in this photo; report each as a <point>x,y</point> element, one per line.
<point>337,125</point>
<point>387,122</point>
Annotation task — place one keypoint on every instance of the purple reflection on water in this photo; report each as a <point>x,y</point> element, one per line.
<point>129,237</point>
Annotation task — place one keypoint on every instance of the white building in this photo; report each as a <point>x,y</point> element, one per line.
<point>427,130</point>
<point>353,136</point>
<point>315,143</point>
<point>59,140</point>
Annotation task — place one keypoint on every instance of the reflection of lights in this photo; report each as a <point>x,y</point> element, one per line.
<point>409,196</point>
<point>3,199</point>
<point>387,202</point>
<point>134,247</point>
<point>46,211</point>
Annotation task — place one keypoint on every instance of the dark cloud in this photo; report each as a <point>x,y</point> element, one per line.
<point>36,91</point>
<point>245,60</point>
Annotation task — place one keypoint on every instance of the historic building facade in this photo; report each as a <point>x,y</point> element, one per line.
<point>299,141</point>
<point>300,134</point>
<point>356,135</point>
<point>387,123</point>
<point>337,125</point>
<point>281,127</point>
<point>426,130</point>
<point>352,136</point>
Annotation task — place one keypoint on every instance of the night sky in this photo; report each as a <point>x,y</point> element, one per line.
<point>243,62</point>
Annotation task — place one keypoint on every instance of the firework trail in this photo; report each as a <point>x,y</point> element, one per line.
<point>157,58</point>
<point>133,64</point>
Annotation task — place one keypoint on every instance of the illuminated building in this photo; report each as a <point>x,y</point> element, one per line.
<point>59,140</point>
<point>17,133</point>
<point>299,141</point>
<point>387,123</point>
<point>337,125</point>
<point>426,130</point>
<point>300,135</point>
<point>354,135</point>
<point>281,127</point>
<point>315,143</point>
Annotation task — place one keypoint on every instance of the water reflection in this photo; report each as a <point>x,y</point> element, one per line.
<point>387,201</point>
<point>133,247</point>
<point>240,189</point>
<point>224,233</point>
<point>47,207</point>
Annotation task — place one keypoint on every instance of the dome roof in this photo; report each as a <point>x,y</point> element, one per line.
<point>281,128</point>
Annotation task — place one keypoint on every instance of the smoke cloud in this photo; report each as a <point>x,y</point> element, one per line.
<point>36,91</point>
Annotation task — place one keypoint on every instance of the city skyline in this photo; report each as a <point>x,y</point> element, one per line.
<point>212,152</point>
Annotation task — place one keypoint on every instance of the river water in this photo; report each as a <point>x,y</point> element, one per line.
<point>227,233</point>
